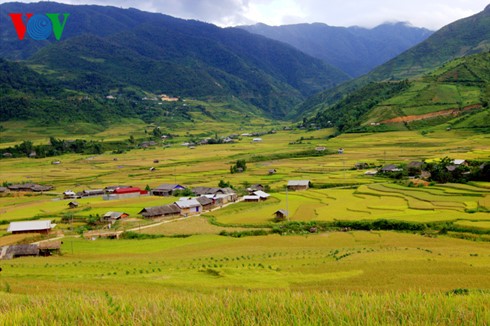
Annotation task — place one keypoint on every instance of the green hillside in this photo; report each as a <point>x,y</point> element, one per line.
<point>462,38</point>
<point>454,96</point>
<point>160,54</point>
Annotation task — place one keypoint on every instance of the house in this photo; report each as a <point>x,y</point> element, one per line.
<point>21,250</point>
<point>460,162</point>
<point>251,198</point>
<point>206,203</point>
<point>415,165</point>
<point>29,187</point>
<point>390,168</point>
<point>281,214</point>
<point>298,184</point>
<point>361,166</point>
<point>73,204</point>
<point>272,171</point>
<point>166,189</point>
<point>111,189</point>
<point>451,168</point>
<point>124,193</point>
<point>256,187</point>
<point>340,151</point>
<point>69,195</point>
<point>56,162</point>
<point>3,189</point>
<point>115,215</point>
<point>47,248</point>
<point>160,211</point>
<point>320,148</point>
<point>262,195</point>
<point>7,154</point>
<point>43,227</point>
<point>189,207</point>
<point>371,173</point>
<point>257,140</point>
<point>92,192</point>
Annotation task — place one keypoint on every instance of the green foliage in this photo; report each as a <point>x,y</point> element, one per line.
<point>348,112</point>
<point>239,167</point>
<point>240,234</point>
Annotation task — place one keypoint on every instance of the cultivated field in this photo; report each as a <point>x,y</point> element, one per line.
<point>184,267</point>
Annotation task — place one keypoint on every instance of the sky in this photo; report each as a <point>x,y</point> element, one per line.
<point>431,14</point>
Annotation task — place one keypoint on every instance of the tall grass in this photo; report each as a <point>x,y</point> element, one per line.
<point>231,307</point>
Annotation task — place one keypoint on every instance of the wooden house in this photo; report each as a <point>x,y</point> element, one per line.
<point>281,214</point>
<point>298,184</point>
<point>160,211</point>
<point>206,203</point>
<point>73,204</point>
<point>166,189</point>
<point>114,215</point>
<point>189,207</point>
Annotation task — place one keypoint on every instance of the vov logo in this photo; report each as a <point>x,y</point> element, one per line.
<point>39,27</point>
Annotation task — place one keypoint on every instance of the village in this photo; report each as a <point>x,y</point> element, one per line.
<point>197,201</point>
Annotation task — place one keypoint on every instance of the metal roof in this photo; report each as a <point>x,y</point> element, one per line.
<point>187,203</point>
<point>30,226</point>
<point>261,194</point>
<point>298,182</point>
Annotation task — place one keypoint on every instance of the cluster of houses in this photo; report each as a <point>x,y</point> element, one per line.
<point>412,167</point>
<point>26,187</point>
<point>206,198</point>
<point>107,193</point>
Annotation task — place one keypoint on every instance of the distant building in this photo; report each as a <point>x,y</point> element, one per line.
<point>124,193</point>
<point>262,195</point>
<point>29,187</point>
<point>189,207</point>
<point>281,214</point>
<point>160,211</point>
<point>69,194</point>
<point>206,203</point>
<point>115,215</point>
<point>42,227</point>
<point>298,184</point>
<point>390,168</point>
<point>251,198</point>
<point>166,189</point>
<point>459,162</point>
<point>73,204</point>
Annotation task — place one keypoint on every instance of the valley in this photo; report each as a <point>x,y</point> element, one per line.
<point>158,170</point>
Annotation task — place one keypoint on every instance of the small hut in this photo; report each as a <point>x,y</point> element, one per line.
<point>73,204</point>
<point>281,214</point>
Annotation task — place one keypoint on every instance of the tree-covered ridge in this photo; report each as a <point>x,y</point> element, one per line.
<point>348,112</point>
<point>165,55</point>
<point>456,94</point>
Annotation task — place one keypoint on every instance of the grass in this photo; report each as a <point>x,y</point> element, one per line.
<point>247,308</point>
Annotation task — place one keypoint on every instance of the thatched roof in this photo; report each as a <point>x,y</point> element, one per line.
<point>160,210</point>
<point>204,200</point>
<point>50,245</point>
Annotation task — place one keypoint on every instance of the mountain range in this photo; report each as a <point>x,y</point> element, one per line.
<point>459,39</point>
<point>130,55</point>
<point>107,48</point>
<point>354,50</point>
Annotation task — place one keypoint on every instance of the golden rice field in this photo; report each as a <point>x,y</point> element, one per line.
<point>331,278</point>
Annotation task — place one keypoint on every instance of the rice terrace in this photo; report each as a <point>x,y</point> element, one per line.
<point>181,173</point>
